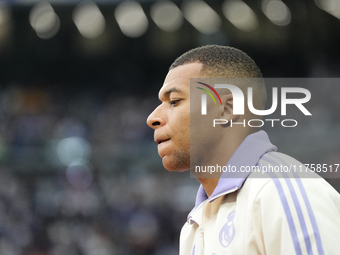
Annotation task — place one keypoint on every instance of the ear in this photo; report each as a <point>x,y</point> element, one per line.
<point>228,103</point>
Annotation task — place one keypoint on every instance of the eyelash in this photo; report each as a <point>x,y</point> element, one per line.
<point>174,102</point>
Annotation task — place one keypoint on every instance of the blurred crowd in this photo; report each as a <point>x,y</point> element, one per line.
<point>80,174</point>
<point>115,215</point>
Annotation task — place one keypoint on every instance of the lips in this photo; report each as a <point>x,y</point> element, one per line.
<point>159,141</point>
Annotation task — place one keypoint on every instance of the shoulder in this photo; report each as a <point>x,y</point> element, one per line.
<point>302,206</point>
<point>299,198</point>
<point>283,181</point>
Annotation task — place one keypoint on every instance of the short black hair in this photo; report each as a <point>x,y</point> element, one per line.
<point>220,62</point>
<point>227,62</point>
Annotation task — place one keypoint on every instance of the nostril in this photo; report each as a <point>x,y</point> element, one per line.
<point>156,123</point>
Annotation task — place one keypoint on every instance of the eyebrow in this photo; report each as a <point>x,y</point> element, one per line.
<point>174,89</point>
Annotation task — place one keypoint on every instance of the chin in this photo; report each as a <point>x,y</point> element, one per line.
<point>173,169</point>
<point>176,164</point>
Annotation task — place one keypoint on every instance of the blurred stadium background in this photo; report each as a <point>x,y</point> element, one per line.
<point>79,171</point>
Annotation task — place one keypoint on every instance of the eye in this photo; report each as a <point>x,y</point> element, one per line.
<point>174,102</point>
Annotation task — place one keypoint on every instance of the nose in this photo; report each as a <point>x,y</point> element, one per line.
<point>155,119</point>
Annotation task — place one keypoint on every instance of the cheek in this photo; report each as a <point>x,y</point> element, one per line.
<point>181,135</point>
<point>179,119</point>
<point>184,125</point>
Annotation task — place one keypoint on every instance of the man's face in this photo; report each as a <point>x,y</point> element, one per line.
<point>171,119</point>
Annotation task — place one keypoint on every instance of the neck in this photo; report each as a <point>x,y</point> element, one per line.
<point>209,184</point>
<point>219,156</point>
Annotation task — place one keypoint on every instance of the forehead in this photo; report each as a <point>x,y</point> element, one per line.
<point>179,77</point>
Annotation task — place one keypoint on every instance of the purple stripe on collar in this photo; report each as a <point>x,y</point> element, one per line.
<point>247,154</point>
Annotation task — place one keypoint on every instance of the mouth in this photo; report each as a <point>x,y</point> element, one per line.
<point>159,141</point>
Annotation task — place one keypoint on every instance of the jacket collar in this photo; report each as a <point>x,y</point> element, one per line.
<point>248,153</point>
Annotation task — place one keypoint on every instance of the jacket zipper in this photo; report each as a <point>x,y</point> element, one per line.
<point>202,240</point>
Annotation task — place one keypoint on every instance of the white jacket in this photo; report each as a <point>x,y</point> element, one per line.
<point>266,215</point>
